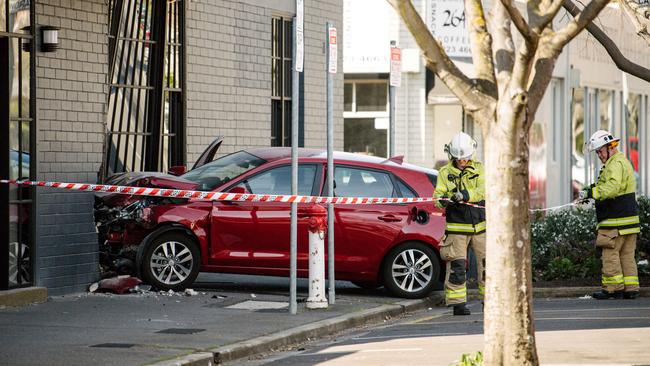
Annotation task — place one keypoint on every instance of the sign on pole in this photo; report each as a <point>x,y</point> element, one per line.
<point>300,39</point>
<point>447,24</point>
<point>395,66</point>
<point>332,55</point>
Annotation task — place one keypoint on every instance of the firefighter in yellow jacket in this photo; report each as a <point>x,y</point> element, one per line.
<point>462,180</point>
<point>618,218</point>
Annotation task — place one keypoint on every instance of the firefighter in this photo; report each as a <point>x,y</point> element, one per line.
<point>461,180</point>
<point>617,216</point>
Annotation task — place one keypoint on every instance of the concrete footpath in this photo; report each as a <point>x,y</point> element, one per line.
<point>223,321</point>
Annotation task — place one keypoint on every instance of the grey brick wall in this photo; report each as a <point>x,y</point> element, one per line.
<point>71,100</point>
<point>229,73</point>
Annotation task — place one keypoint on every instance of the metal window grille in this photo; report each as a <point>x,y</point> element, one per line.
<point>145,119</point>
<point>281,79</point>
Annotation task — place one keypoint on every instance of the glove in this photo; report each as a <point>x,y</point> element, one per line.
<point>585,194</point>
<point>457,197</point>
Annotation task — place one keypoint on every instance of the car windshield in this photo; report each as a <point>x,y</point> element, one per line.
<point>222,170</point>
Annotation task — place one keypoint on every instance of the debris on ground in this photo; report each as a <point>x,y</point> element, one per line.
<point>190,292</point>
<point>117,285</point>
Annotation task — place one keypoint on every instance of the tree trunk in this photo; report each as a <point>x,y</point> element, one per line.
<point>509,328</point>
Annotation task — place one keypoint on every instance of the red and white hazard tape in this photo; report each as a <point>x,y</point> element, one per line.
<point>217,196</point>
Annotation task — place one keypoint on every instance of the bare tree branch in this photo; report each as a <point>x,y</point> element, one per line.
<point>481,42</point>
<point>579,22</point>
<point>542,71</point>
<point>623,63</point>
<point>634,12</point>
<point>546,15</point>
<point>519,21</point>
<point>503,48</point>
<point>438,61</point>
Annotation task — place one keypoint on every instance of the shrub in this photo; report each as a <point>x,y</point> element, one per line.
<point>563,243</point>
<point>467,359</point>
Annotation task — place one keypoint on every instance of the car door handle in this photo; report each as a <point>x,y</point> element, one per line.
<point>389,218</point>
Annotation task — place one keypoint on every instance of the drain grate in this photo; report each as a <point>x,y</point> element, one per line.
<point>181,331</point>
<point>113,345</point>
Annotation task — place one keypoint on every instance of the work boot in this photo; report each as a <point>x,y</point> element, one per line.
<point>461,309</point>
<point>631,294</point>
<point>604,295</point>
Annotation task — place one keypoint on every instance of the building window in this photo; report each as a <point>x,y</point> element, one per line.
<point>281,79</point>
<point>365,115</point>
<point>16,144</point>
<point>145,118</point>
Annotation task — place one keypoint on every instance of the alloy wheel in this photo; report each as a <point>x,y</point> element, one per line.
<point>412,270</point>
<point>171,262</point>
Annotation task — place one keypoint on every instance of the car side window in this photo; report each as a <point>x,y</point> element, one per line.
<point>355,182</point>
<point>278,181</point>
<point>405,190</point>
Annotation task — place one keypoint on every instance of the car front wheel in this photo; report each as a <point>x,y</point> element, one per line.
<point>411,270</point>
<point>170,262</point>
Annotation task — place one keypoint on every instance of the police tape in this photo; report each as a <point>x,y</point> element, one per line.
<point>240,197</point>
<point>220,196</point>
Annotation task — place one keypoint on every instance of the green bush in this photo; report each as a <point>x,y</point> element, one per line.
<point>563,243</point>
<point>470,360</point>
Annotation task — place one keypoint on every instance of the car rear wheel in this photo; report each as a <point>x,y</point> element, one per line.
<point>171,262</point>
<point>411,270</point>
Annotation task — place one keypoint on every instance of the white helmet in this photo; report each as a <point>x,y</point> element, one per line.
<point>599,139</point>
<point>462,146</point>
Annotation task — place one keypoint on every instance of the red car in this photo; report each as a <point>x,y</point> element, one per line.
<point>168,241</point>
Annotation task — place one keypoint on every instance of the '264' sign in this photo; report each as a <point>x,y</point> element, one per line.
<point>446,20</point>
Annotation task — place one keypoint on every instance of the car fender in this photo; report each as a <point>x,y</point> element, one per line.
<point>168,227</point>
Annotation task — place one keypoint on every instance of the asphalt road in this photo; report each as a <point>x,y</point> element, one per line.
<point>568,331</point>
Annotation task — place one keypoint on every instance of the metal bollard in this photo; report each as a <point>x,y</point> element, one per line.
<point>316,216</point>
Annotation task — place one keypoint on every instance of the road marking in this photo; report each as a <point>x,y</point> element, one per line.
<point>390,350</point>
<point>415,335</point>
<point>574,310</point>
<point>600,318</point>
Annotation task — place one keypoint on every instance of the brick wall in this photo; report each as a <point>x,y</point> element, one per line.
<point>71,99</point>
<point>229,73</point>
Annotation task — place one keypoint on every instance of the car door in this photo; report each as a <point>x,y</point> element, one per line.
<point>256,234</point>
<point>362,233</point>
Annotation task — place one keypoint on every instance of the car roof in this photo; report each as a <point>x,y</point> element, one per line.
<point>278,153</point>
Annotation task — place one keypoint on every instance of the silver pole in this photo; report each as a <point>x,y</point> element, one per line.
<point>391,127</point>
<point>295,95</point>
<point>391,117</point>
<point>330,174</point>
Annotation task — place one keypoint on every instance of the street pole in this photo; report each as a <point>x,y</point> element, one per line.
<point>391,111</point>
<point>295,100</point>
<point>331,66</point>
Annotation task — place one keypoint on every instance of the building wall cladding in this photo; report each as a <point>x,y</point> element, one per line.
<point>71,100</point>
<point>229,73</point>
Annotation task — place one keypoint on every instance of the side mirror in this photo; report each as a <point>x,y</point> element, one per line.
<point>238,189</point>
<point>177,170</point>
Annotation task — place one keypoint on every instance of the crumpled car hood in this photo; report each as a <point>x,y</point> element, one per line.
<point>141,179</point>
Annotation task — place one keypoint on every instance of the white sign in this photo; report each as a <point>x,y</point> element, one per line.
<point>447,24</point>
<point>300,39</point>
<point>333,51</point>
<point>367,26</point>
<point>395,66</point>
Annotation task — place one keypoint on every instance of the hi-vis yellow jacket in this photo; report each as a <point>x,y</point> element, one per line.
<point>463,219</point>
<point>615,195</point>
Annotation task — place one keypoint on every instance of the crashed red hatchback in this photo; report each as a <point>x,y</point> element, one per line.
<point>167,241</point>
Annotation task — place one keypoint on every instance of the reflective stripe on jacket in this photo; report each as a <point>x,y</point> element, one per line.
<point>615,195</point>
<point>463,219</point>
